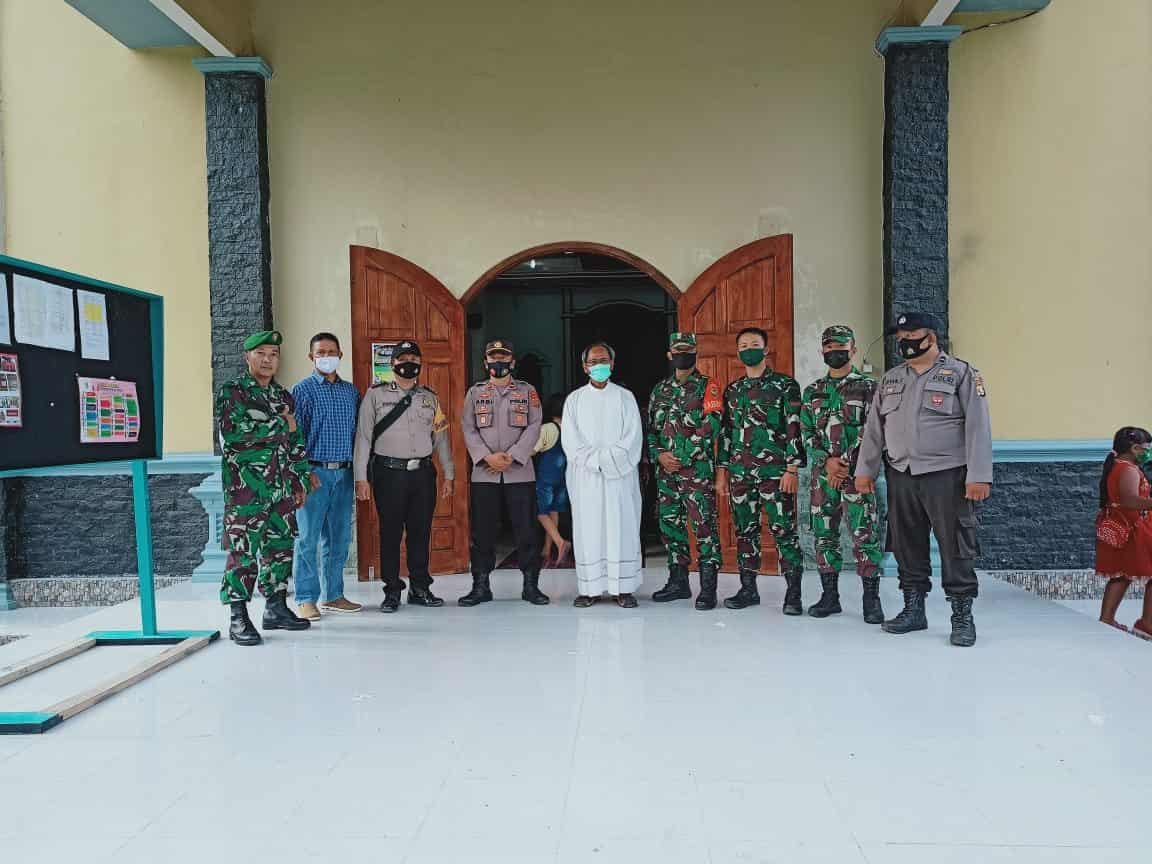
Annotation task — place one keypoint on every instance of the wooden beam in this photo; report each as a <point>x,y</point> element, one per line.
<point>940,13</point>
<point>15,672</point>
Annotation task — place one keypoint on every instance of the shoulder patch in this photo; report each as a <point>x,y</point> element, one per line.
<point>713,399</point>
<point>533,397</point>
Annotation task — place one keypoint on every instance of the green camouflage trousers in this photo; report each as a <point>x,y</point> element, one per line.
<point>828,504</point>
<point>749,495</point>
<point>259,550</point>
<point>685,501</point>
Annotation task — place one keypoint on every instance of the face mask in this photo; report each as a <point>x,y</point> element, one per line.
<point>1144,458</point>
<point>910,349</point>
<point>836,359</point>
<point>407,369</point>
<point>327,365</point>
<point>600,373</point>
<point>683,362</point>
<point>752,356</point>
<point>499,368</point>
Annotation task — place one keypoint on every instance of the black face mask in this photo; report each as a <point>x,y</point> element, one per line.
<point>683,362</point>
<point>499,368</point>
<point>910,349</point>
<point>836,359</point>
<point>407,370</point>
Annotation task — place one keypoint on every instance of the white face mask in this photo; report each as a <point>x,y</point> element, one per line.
<point>327,365</point>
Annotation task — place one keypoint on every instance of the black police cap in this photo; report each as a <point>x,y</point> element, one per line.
<point>406,347</point>
<point>913,321</point>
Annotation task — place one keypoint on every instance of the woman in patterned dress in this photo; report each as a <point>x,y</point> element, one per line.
<point>1126,495</point>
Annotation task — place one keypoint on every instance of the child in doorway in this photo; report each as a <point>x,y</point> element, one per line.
<point>551,491</point>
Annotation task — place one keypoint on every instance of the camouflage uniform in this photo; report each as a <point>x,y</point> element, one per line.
<point>264,466</point>
<point>760,440</point>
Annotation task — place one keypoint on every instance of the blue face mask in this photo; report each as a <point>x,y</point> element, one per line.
<point>600,373</point>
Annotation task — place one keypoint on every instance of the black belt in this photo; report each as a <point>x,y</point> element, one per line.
<point>331,466</point>
<point>403,464</point>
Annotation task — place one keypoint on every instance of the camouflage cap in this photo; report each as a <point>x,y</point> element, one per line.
<point>264,337</point>
<point>682,340</point>
<point>837,333</point>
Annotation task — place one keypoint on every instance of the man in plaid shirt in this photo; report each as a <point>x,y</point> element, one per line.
<point>326,410</point>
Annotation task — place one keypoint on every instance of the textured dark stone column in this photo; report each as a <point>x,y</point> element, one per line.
<point>239,245</point>
<point>916,173</point>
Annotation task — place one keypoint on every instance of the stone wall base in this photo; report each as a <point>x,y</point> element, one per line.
<point>82,590</point>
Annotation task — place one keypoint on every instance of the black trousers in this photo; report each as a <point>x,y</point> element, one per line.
<point>487,499</point>
<point>405,502</point>
<point>933,502</point>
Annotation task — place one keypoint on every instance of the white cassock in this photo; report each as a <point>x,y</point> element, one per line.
<point>603,438</point>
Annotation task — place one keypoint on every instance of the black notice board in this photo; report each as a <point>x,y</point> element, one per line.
<point>50,433</point>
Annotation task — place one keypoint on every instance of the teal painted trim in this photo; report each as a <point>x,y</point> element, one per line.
<point>1001,6</point>
<point>145,571</point>
<point>6,601</point>
<point>52,272</point>
<point>1074,450</point>
<point>133,23</point>
<point>234,65</point>
<point>156,316</point>
<point>162,637</point>
<point>177,463</point>
<point>27,722</point>
<point>917,35</point>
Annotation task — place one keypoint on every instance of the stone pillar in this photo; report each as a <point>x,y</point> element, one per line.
<point>916,172</point>
<point>6,601</point>
<point>239,245</point>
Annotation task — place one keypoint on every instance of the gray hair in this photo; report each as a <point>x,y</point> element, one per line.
<point>611,351</point>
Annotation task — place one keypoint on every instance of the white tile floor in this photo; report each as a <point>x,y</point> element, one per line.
<point>511,733</point>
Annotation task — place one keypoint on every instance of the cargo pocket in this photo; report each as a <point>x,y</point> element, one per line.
<point>967,543</point>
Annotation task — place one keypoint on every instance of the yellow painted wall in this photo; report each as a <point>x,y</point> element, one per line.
<point>104,175</point>
<point>458,134</point>
<point>1051,215</point>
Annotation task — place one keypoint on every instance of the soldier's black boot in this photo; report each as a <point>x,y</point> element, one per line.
<point>793,604</point>
<point>677,587</point>
<point>911,617</point>
<point>532,593</point>
<point>277,615</point>
<point>481,591</point>
<point>423,597</point>
<point>873,611</point>
<point>706,599</point>
<point>241,630</point>
<point>963,627</point>
<point>747,595</point>
<point>391,601</point>
<point>829,602</point>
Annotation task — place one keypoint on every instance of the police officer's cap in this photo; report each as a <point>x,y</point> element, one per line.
<point>498,345</point>
<point>406,347</point>
<point>914,321</point>
<point>263,337</point>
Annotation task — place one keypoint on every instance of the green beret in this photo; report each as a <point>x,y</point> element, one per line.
<point>837,333</point>
<point>264,337</point>
<point>686,340</point>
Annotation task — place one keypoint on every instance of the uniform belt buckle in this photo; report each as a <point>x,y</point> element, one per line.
<point>413,464</point>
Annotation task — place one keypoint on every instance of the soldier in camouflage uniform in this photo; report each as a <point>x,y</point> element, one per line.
<point>761,450</point>
<point>683,423</point>
<point>266,477</point>
<point>831,420</point>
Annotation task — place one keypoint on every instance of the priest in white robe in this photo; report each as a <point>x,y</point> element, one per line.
<point>603,440</point>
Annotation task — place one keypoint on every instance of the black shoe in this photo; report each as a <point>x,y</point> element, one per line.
<point>423,597</point>
<point>677,587</point>
<point>793,604</point>
<point>873,611</point>
<point>706,599</point>
<point>963,627</point>
<point>747,595</point>
<point>277,615</point>
<point>626,601</point>
<point>531,592</point>
<point>481,591</point>
<point>583,601</point>
<point>829,602</point>
<point>391,601</point>
<point>241,630</point>
<point>911,617</point>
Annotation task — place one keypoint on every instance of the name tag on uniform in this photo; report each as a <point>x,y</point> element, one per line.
<point>893,389</point>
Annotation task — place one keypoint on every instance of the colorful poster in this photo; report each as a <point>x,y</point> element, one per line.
<point>11,408</point>
<point>45,313</point>
<point>93,325</point>
<point>109,411</point>
<point>382,362</point>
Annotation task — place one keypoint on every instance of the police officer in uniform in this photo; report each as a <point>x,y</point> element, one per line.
<point>501,421</point>
<point>929,425</point>
<point>400,424</point>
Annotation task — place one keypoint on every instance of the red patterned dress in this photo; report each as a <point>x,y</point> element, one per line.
<point>1134,561</point>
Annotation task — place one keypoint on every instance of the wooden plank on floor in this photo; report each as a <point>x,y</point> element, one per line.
<point>24,668</point>
<point>74,705</point>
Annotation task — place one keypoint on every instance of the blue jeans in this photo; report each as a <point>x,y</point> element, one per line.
<point>325,522</point>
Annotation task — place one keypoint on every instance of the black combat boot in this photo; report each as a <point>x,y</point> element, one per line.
<point>277,615</point>
<point>677,587</point>
<point>481,591</point>
<point>747,595</point>
<point>423,597</point>
<point>911,617</point>
<point>532,593</point>
<point>829,602</point>
<point>963,627</point>
<point>793,604</point>
<point>241,630</point>
<point>873,611</point>
<point>391,601</point>
<point>706,599</point>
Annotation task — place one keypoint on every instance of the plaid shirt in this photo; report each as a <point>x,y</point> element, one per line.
<point>326,411</point>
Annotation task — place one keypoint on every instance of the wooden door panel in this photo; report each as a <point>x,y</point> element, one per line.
<point>393,299</point>
<point>750,287</point>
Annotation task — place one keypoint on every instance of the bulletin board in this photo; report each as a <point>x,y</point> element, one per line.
<point>81,368</point>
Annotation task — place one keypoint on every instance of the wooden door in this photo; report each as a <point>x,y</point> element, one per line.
<point>751,287</point>
<point>393,299</point>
